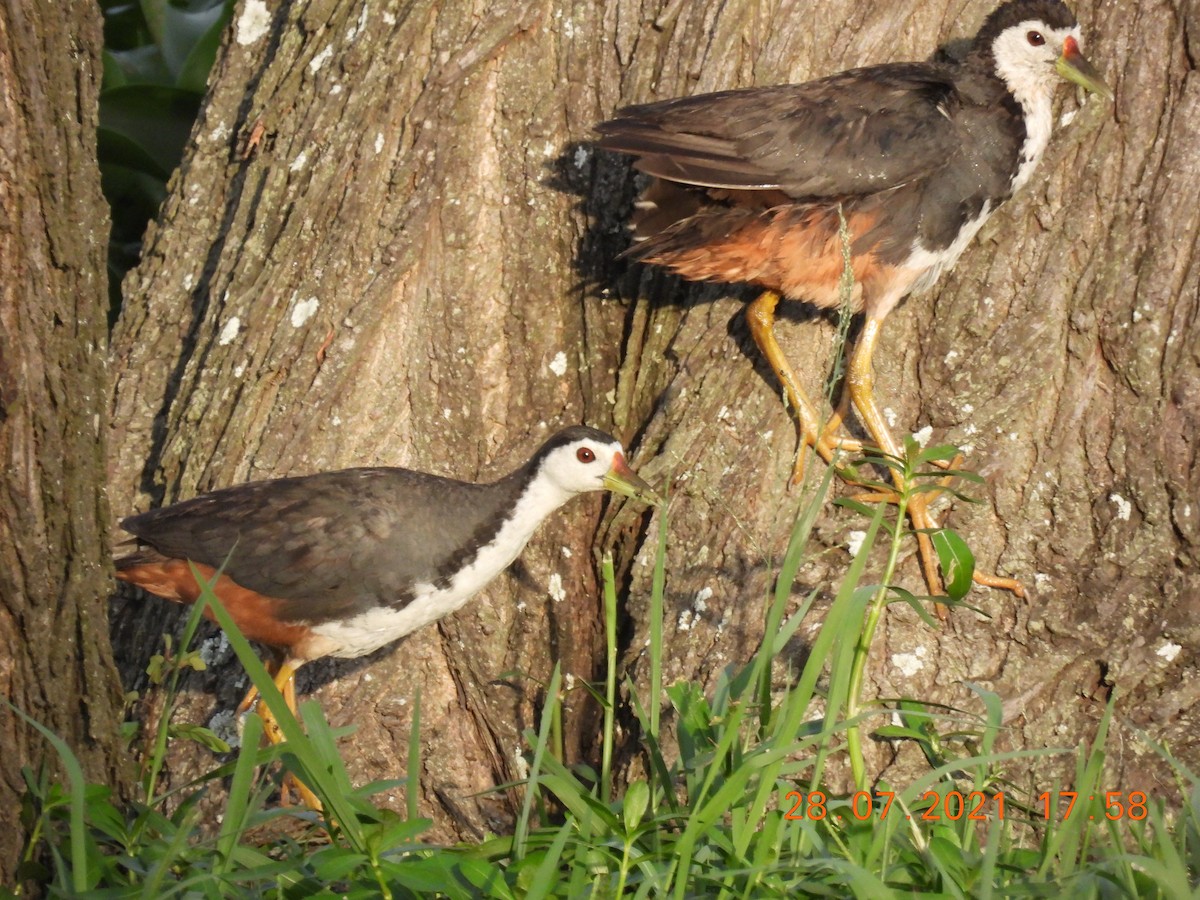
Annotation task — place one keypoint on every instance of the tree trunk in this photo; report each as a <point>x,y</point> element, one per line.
<point>55,663</point>
<point>391,243</point>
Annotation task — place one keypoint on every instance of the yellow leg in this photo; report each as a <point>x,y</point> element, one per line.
<point>760,316</point>
<point>826,440</point>
<point>285,681</point>
<point>829,433</point>
<point>861,383</point>
<point>861,387</point>
<point>248,701</point>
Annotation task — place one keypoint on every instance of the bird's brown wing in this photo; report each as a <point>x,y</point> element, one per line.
<point>329,543</point>
<point>861,131</point>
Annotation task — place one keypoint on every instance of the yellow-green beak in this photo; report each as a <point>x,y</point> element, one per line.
<point>623,480</point>
<point>1073,66</point>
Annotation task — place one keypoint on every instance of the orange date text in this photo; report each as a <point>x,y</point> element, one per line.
<point>974,806</point>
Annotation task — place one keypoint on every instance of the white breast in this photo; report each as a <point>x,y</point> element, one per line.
<point>935,262</point>
<point>1038,123</point>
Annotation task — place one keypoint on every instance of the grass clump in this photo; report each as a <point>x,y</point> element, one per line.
<point>743,807</point>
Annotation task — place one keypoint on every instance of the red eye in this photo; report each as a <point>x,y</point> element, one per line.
<point>1035,38</point>
<point>585,455</point>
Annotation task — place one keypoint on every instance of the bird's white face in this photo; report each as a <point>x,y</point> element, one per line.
<point>582,465</point>
<point>593,464</point>
<point>1027,58</point>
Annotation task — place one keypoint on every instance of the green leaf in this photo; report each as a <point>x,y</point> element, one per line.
<point>192,659</point>
<point>866,510</point>
<point>334,863</point>
<point>200,735</point>
<point>637,799</point>
<point>876,458</point>
<point>124,24</point>
<point>543,878</point>
<point>129,730</point>
<point>898,733</point>
<point>119,154</point>
<point>186,28</point>
<point>193,74</point>
<point>105,817</point>
<point>964,474</point>
<point>918,604</point>
<point>936,489</point>
<point>957,561</point>
<point>948,854</point>
<point>114,73</point>
<point>939,453</point>
<point>153,14</point>
<point>485,877</point>
<point>854,474</point>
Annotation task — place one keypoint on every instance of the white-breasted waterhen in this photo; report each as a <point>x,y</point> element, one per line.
<point>342,563</point>
<point>750,186</point>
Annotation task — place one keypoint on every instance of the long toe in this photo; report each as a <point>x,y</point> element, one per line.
<point>292,784</point>
<point>923,524</point>
<point>999,582</point>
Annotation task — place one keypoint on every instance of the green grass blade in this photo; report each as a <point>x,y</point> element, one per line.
<point>837,643</point>
<point>158,752</point>
<point>610,676</point>
<point>412,775</point>
<point>316,770</point>
<point>760,670</point>
<point>77,799</point>
<point>657,590</point>
<point>545,876</point>
<point>320,751</point>
<point>238,807</point>
<point>1066,844</point>
<point>521,831</point>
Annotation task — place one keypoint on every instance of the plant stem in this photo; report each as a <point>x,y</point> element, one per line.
<point>862,649</point>
<point>657,590</point>
<point>610,676</point>
<point>623,872</point>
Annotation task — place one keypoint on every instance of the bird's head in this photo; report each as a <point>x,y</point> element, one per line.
<point>1034,43</point>
<point>581,459</point>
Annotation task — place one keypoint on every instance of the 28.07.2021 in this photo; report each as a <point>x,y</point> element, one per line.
<point>954,805</point>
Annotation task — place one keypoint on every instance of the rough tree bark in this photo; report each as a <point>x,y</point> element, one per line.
<point>391,243</point>
<point>55,662</point>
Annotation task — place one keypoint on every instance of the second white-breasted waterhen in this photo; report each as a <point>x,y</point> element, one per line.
<point>342,563</point>
<point>751,186</point>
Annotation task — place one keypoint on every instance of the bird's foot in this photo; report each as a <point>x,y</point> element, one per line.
<point>291,784</point>
<point>924,525</point>
<point>999,582</point>
<point>829,445</point>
